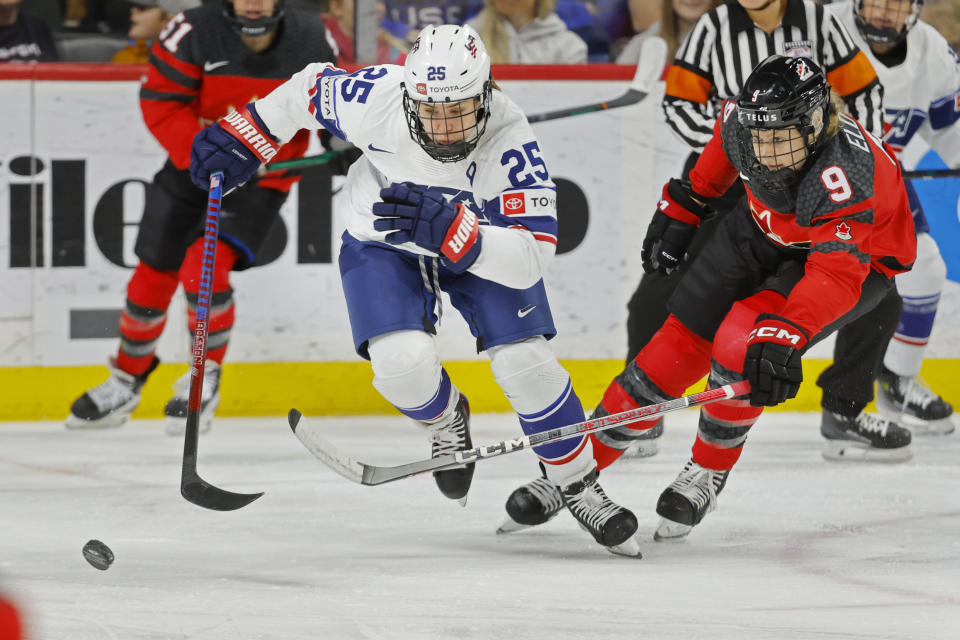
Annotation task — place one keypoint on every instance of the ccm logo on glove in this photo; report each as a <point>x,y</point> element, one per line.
<point>462,234</point>
<point>241,125</point>
<point>779,334</point>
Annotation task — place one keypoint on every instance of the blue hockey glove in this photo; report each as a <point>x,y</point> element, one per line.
<point>237,145</point>
<point>421,215</point>
<point>772,364</point>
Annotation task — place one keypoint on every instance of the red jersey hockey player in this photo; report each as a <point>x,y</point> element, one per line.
<point>206,61</point>
<point>815,244</point>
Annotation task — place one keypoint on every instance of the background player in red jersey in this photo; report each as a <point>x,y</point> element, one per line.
<point>815,244</point>
<point>206,61</point>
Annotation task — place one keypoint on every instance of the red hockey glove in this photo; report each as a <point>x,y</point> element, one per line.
<point>772,364</point>
<point>236,145</point>
<point>672,228</point>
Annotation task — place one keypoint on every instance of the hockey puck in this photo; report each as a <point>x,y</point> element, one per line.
<point>98,555</point>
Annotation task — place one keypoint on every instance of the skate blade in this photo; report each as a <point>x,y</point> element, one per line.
<point>462,501</point>
<point>643,449</point>
<point>670,530</point>
<point>846,451</point>
<point>511,526</point>
<point>107,422</point>
<point>630,548</point>
<point>176,426</point>
<point>942,427</point>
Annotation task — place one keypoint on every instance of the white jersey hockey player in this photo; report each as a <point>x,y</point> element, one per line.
<point>920,75</point>
<point>452,193</point>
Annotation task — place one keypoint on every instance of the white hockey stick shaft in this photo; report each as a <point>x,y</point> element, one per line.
<point>369,474</point>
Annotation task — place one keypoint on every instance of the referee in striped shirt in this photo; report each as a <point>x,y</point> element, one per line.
<point>727,43</point>
<point>712,64</point>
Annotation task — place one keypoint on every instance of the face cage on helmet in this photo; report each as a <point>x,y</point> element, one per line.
<point>456,151</point>
<point>886,35</point>
<point>259,26</point>
<point>786,177</point>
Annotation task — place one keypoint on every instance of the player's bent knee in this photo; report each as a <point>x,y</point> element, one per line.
<point>529,374</point>
<point>406,367</point>
<point>730,343</point>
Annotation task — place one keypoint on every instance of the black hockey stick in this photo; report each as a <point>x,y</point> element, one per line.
<point>369,474</point>
<point>653,55</point>
<point>192,486</point>
<point>929,174</point>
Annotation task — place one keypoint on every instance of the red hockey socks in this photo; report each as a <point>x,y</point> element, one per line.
<point>674,359</point>
<point>144,315</point>
<point>221,300</point>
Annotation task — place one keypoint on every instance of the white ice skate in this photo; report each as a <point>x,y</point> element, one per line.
<point>176,408</point>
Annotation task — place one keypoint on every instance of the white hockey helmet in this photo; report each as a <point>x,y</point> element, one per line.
<point>446,91</point>
<point>906,17</point>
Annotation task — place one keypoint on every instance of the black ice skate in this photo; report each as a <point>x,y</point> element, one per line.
<point>912,404</point>
<point>450,435</point>
<point>176,409</point>
<point>864,438</point>
<point>531,504</point>
<point>110,403</point>
<point>687,500</point>
<point>610,524</point>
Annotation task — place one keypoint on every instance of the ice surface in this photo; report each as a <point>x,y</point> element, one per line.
<point>799,547</point>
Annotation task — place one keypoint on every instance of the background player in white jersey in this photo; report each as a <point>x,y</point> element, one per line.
<point>920,75</point>
<point>451,194</point>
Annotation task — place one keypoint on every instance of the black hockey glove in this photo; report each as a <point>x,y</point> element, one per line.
<point>345,156</point>
<point>672,228</point>
<point>772,364</point>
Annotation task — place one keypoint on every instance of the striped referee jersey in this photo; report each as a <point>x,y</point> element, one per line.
<point>725,45</point>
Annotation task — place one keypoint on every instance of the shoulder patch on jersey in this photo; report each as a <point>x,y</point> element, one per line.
<point>514,203</point>
<point>843,231</point>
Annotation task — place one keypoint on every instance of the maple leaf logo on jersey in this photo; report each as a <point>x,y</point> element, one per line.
<point>843,231</point>
<point>513,204</point>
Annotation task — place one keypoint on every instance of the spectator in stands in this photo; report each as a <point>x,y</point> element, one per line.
<point>339,21</point>
<point>147,20</point>
<point>677,18</point>
<point>24,37</point>
<point>527,32</point>
<point>623,19</point>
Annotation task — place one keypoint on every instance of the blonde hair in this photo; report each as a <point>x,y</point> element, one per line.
<point>494,34</point>
<point>670,28</point>
<point>838,107</point>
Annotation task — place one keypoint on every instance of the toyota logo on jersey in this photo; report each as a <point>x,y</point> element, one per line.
<point>514,203</point>
<point>422,88</point>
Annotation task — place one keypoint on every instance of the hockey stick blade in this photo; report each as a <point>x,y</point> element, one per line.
<point>653,55</point>
<point>203,494</point>
<point>369,474</point>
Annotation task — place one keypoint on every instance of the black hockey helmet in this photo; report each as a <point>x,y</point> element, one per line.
<point>255,27</point>
<point>890,34</point>
<point>782,92</point>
